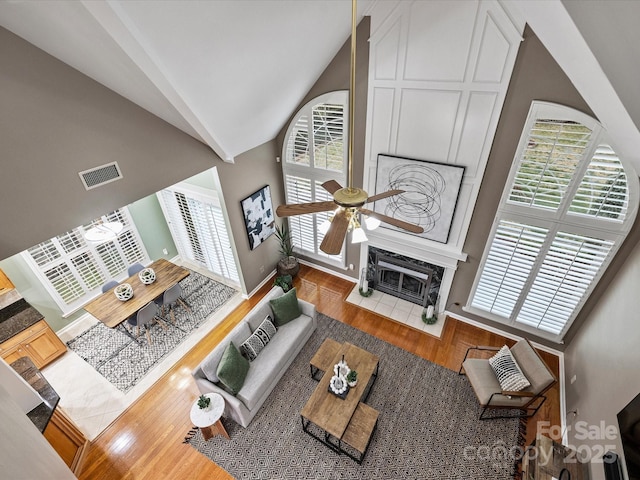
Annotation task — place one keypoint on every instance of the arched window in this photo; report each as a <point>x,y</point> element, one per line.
<point>315,150</point>
<point>567,207</point>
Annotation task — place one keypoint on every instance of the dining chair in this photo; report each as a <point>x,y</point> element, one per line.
<point>145,317</point>
<point>109,285</point>
<point>170,298</point>
<point>134,268</point>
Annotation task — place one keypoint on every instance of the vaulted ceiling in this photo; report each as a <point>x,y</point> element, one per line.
<point>230,72</point>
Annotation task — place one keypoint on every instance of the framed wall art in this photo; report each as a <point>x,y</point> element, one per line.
<point>430,198</point>
<point>258,216</point>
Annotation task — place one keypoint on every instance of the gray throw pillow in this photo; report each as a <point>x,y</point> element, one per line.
<point>232,369</point>
<point>285,307</point>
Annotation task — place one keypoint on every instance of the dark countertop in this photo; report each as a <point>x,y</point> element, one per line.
<point>17,317</point>
<point>40,415</point>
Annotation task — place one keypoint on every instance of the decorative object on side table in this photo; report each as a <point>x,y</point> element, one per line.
<point>338,384</point>
<point>284,281</point>
<point>352,378</point>
<point>428,315</point>
<point>204,402</point>
<point>288,264</point>
<point>123,292</point>
<point>208,419</point>
<point>147,276</point>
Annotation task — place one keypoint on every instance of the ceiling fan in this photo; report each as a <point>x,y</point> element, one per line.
<point>347,201</point>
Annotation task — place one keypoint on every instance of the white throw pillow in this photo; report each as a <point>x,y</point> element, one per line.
<point>508,372</point>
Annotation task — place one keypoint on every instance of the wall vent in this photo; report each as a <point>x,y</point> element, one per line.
<point>98,176</point>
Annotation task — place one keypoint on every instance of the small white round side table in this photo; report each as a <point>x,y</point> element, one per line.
<point>209,420</point>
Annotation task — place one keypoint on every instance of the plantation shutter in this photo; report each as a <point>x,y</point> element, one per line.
<point>569,267</point>
<point>73,270</point>
<point>510,260</point>
<point>298,190</point>
<point>200,233</point>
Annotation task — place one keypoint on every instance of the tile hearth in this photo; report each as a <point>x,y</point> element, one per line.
<point>396,309</point>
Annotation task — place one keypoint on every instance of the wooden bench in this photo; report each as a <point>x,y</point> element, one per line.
<point>360,429</point>
<point>323,359</point>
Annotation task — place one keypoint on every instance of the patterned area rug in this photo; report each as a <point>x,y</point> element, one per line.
<point>123,361</point>
<point>428,426</point>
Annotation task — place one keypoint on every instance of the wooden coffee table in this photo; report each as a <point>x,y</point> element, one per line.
<point>334,421</point>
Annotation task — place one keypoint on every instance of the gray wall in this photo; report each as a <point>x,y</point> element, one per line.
<point>252,170</point>
<point>57,122</point>
<point>336,77</point>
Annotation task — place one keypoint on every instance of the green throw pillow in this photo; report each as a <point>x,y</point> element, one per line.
<point>232,369</point>
<point>285,308</point>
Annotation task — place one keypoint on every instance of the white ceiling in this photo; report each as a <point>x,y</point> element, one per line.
<point>231,72</point>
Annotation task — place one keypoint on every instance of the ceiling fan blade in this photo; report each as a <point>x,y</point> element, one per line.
<point>331,186</point>
<point>393,221</point>
<point>334,238</point>
<point>301,208</point>
<point>380,196</point>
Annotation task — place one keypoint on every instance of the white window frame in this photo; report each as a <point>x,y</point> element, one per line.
<point>229,272</point>
<point>559,220</point>
<point>316,175</point>
<point>90,293</point>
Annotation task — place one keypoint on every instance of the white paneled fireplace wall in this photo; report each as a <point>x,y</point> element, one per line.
<point>438,76</point>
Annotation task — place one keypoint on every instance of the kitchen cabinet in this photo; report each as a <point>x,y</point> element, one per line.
<point>38,342</point>
<point>67,439</point>
<point>5,283</point>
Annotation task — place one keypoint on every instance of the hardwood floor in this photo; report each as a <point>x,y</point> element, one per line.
<point>145,442</point>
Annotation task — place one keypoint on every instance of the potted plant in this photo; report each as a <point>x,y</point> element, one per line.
<point>352,378</point>
<point>203,402</point>
<point>288,264</point>
<point>284,281</point>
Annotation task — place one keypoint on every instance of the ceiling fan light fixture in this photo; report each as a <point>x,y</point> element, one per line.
<point>371,223</point>
<point>358,235</point>
<point>324,226</point>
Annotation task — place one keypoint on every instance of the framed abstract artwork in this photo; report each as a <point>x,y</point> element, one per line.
<point>430,195</point>
<point>258,216</point>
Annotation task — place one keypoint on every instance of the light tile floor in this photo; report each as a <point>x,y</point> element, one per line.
<point>396,309</point>
<point>92,401</point>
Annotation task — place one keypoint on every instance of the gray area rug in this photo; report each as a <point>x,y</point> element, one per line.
<point>123,361</point>
<point>428,426</point>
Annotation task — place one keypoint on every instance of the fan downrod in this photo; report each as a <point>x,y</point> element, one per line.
<point>350,197</point>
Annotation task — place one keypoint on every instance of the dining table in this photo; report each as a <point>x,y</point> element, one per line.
<point>112,312</point>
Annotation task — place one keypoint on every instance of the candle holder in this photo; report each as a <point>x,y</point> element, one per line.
<point>364,288</point>
<point>429,316</point>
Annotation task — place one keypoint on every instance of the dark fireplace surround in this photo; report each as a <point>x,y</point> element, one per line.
<point>404,277</point>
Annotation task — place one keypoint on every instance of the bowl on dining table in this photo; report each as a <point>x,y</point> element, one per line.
<point>123,292</point>
<point>147,276</point>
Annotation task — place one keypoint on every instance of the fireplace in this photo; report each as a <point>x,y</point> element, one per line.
<point>404,277</point>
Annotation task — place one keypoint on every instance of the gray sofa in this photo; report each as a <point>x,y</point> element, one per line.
<point>265,371</point>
